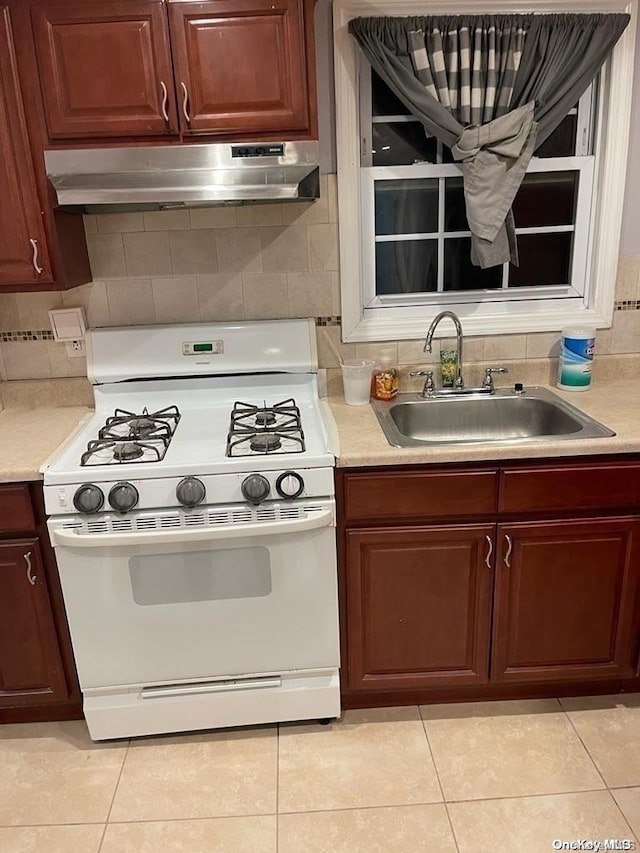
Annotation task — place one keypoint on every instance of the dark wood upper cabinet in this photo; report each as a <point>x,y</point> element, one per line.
<point>240,66</point>
<point>31,670</point>
<point>24,258</point>
<point>565,601</point>
<point>419,606</point>
<point>105,68</point>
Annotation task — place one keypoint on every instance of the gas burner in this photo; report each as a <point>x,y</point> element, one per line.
<point>129,437</point>
<point>127,451</point>
<point>103,451</point>
<point>265,418</point>
<point>265,442</point>
<point>265,429</point>
<point>147,425</point>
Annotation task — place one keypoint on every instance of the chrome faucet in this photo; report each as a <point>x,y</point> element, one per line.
<point>459,381</point>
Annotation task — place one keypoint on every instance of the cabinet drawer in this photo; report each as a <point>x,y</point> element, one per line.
<point>16,513</point>
<point>571,487</point>
<point>408,495</point>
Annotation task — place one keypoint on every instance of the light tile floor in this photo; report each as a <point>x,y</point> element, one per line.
<point>472,778</point>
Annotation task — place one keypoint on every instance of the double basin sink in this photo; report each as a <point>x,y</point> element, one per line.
<point>411,420</point>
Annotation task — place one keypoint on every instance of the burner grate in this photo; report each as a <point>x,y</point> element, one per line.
<point>132,437</point>
<point>264,430</point>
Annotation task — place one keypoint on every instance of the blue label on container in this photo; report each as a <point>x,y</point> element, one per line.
<point>576,361</point>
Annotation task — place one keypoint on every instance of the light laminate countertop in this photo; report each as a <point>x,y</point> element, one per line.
<point>29,436</point>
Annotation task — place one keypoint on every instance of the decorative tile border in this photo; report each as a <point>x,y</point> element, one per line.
<point>628,305</point>
<point>28,335</point>
<point>328,321</point>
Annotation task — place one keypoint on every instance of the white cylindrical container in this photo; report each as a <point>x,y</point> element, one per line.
<point>356,379</point>
<point>576,358</point>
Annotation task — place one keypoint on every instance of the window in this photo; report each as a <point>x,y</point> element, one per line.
<point>402,206</point>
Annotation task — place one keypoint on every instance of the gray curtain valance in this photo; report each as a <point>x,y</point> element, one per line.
<point>491,88</point>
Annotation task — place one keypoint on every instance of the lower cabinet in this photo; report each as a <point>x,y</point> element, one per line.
<point>419,606</point>
<point>38,679</point>
<point>565,600</point>
<point>497,605</point>
<point>31,668</point>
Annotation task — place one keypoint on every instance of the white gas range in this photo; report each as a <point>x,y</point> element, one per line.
<point>193,519</point>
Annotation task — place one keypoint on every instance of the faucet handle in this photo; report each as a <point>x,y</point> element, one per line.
<point>488,376</point>
<point>429,387</point>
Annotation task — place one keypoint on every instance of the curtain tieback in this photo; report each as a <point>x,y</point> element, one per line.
<point>494,158</point>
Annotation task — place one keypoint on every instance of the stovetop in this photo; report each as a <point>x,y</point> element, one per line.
<point>196,427</point>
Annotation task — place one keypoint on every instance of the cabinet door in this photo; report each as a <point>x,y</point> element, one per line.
<point>419,606</point>
<point>566,599</point>
<point>23,251</point>
<point>240,66</point>
<point>105,68</point>
<point>30,665</point>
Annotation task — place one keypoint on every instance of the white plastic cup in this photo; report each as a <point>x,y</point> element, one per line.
<point>356,379</point>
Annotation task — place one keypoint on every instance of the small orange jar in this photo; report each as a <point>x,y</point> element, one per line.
<point>385,380</point>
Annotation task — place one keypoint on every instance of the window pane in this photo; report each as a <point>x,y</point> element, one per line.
<point>402,144</point>
<point>461,274</point>
<point>407,266</point>
<point>544,259</point>
<point>546,198</point>
<point>455,217</point>
<point>562,142</point>
<point>383,101</point>
<point>407,206</point>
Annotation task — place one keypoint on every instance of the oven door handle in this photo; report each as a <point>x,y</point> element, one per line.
<point>73,539</point>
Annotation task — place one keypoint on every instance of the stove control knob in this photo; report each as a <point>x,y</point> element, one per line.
<point>88,499</point>
<point>123,497</point>
<point>190,491</point>
<point>255,488</point>
<point>290,485</point>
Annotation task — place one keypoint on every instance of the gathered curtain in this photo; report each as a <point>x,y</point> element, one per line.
<point>492,88</point>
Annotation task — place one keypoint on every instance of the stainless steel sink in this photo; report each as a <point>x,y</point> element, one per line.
<point>537,414</point>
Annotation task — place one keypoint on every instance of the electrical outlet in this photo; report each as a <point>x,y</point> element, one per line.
<point>75,349</point>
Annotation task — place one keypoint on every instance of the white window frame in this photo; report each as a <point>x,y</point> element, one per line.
<point>481,316</point>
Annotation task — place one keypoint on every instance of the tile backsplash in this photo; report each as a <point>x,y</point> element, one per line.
<point>234,263</point>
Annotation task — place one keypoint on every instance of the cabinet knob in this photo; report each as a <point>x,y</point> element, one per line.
<point>185,103</point>
<point>34,256</point>
<point>30,576</point>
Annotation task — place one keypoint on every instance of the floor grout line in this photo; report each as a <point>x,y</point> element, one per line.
<point>585,747</point>
<point>277,786</point>
<point>115,791</point>
<point>624,817</point>
<point>435,768</point>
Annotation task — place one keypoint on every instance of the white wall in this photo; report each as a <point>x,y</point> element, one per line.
<point>630,240</point>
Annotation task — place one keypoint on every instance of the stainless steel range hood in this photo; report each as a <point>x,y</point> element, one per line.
<point>95,180</point>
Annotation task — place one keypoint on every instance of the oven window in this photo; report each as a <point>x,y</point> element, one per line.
<point>200,576</point>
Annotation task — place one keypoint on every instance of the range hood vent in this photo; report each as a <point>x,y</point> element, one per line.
<point>167,177</point>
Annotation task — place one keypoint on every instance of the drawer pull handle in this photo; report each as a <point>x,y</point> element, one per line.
<point>34,257</point>
<point>487,559</point>
<point>30,576</point>
<point>507,556</point>
<point>185,103</point>
<point>165,101</point>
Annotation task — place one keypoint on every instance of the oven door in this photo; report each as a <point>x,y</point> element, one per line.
<point>171,600</point>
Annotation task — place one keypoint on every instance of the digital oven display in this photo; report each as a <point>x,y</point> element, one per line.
<point>203,348</point>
